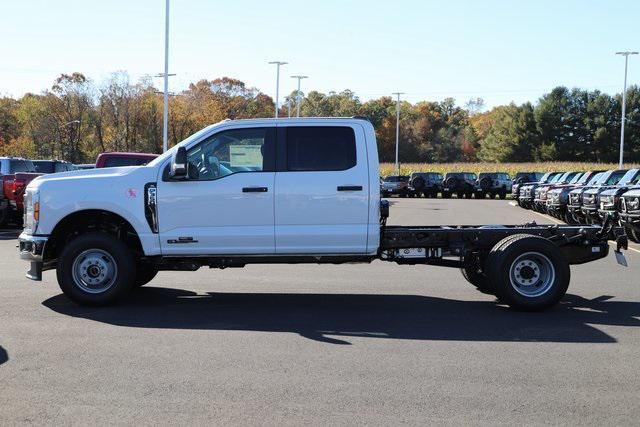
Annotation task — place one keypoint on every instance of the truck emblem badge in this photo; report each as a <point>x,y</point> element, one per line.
<point>132,193</point>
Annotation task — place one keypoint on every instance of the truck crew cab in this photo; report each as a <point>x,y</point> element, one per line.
<point>272,191</point>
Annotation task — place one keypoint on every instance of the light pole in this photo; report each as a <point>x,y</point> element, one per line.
<point>624,101</point>
<point>298,93</point>
<point>278,64</point>
<point>397,130</point>
<point>165,116</point>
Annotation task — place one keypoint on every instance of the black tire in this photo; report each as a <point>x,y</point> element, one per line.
<point>418,183</point>
<point>144,274</point>
<point>468,194</point>
<point>446,195</point>
<point>526,258</point>
<point>113,252</point>
<point>477,278</point>
<point>633,235</point>
<point>4,215</point>
<point>502,194</point>
<point>460,194</point>
<point>481,195</point>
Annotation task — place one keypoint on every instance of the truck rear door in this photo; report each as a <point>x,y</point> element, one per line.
<point>322,190</point>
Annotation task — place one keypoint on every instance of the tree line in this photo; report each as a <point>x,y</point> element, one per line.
<point>76,119</point>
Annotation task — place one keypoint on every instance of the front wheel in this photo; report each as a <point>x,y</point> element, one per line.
<point>528,272</point>
<point>144,274</point>
<point>96,269</point>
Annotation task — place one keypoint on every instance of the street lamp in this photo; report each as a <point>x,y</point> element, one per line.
<point>624,101</point>
<point>166,75</point>
<point>278,64</point>
<point>397,130</point>
<point>298,93</point>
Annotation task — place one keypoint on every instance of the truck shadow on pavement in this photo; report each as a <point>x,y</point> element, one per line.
<point>329,317</point>
<point>3,355</point>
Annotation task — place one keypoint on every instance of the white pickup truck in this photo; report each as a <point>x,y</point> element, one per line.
<point>272,191</point>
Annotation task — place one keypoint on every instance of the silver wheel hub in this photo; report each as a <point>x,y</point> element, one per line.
<point>94,271</point>
<point>532,274</point>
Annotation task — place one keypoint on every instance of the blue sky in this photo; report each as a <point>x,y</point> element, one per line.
<point>501,51</point>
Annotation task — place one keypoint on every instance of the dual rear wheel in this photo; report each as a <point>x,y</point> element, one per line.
<point>524,271</point>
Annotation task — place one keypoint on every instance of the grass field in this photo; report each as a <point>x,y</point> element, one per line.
<point>511,168</point>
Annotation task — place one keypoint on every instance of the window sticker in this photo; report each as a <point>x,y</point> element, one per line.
<point>245,155</point>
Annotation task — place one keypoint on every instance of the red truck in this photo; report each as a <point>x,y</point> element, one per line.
<point>115,159</point>
<point>15,174</point>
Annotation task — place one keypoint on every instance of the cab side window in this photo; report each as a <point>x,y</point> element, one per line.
<point>320,148</point>
<point>232,151</point>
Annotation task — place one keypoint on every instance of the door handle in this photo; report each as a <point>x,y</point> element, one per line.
<point>255,189</point>
<point>350,188</point>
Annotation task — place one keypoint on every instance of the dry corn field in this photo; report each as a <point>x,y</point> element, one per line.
<point>510,168</point>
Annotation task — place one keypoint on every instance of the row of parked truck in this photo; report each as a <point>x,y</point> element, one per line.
<point>16,173</point>
<point>591,197</point>
<point>460,184</point>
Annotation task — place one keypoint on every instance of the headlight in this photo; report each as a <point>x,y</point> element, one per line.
<point>633,204</point>
<point>607,202</point>
<point>31,210</point>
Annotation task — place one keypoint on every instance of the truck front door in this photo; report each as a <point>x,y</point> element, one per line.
<point>322,190</point>
<point>226,206</point>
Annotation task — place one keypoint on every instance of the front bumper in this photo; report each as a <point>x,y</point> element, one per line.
<point>32,250</point>
<point>630,219</point>
<point>590,212</point>
<point>556,207</point>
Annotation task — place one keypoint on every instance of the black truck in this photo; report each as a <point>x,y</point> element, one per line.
<point>459,183</point>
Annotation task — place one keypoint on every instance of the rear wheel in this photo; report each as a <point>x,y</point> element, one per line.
<point>502,194</point>
<point>528,272</point>
<point>473,274</point>
<point>96,269</point>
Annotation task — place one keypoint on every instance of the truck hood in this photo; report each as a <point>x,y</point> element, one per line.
<point>88,175</point>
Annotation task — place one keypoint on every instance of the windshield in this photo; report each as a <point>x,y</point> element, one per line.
<point>585,177</point>
<point>185,141</point>
<point>629,177</point>
<point>577,178</point>
<point>556,178</point>
<point>615,178</point>
<point>545,177</point>
<point>596,179</point>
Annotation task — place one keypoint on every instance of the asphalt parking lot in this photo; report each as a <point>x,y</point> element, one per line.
<point>307,344</point>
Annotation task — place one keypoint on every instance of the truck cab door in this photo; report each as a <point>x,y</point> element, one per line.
<point>322,190</point>
<point>226,205</point>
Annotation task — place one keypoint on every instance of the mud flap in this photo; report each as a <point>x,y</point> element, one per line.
<point>35,271</point>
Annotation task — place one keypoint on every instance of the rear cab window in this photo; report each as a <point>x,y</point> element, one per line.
<point>112,162</point>
<point>21,165</point>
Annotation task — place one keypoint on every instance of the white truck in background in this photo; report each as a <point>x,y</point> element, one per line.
<point>273,191</point>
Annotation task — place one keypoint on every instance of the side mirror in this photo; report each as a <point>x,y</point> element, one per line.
<point>179,165</point>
